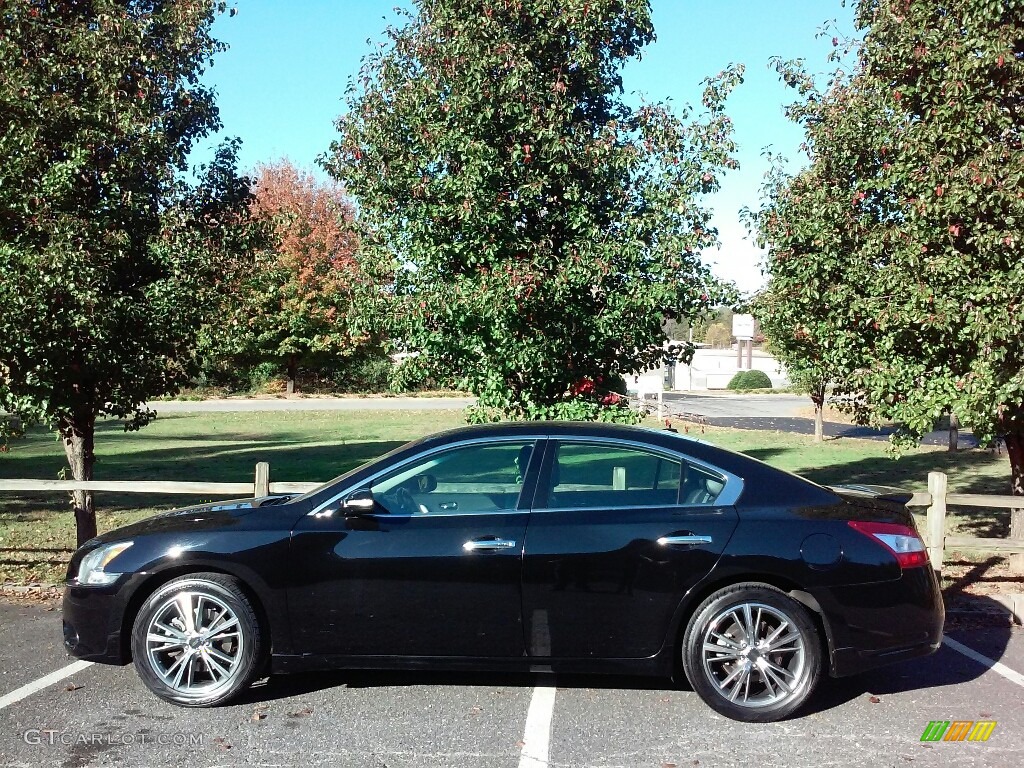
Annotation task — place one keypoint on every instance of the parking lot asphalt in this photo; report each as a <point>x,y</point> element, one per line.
<point>104,716</point>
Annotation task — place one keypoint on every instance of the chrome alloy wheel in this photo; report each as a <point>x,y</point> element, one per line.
<point>194,644</point>
<point>755,655</point>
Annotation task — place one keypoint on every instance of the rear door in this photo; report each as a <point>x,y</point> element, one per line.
<point>617,534</point>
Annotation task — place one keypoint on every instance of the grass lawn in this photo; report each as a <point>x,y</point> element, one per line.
<point>37,531</point>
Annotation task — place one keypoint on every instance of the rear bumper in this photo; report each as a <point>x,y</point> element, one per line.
<point>92,624</point>
<point>871,625</point>
<point>852,661</point>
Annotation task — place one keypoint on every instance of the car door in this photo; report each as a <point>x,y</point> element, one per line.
<point>618,533</point>
<point>429,565</point>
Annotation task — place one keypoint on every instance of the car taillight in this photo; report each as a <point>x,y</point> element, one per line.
<point>901,540</point>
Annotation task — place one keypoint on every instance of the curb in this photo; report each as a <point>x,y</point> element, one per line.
<point>1009,607</point>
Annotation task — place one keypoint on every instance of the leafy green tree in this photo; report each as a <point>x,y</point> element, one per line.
<point>289,303</point>
<point>532,230</point>
<point>103,251</point>
<point>784,312</point>
<point>900,245</point>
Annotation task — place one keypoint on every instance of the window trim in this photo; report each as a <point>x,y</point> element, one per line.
<point>730,494</point>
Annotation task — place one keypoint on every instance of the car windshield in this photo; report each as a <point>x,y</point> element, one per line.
<point>342,477</point>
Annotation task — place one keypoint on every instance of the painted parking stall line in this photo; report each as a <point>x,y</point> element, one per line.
<point>1010,674</point>
<point>537,735</point>
<point>43,682</point>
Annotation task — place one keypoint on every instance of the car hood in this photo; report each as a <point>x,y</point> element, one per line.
<point>221,514</point>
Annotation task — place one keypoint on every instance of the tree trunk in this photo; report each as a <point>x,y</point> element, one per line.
<point>78,436</point>
<point>1015,450</point>
<point>293,372</point>
<point>954,431</point>
<point>818,398</point>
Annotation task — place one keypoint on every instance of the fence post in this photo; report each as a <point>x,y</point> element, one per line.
<point>262,479</point>
<point>937,482</point>
<point>661,405</point>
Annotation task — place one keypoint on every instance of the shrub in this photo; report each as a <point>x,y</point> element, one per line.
<point>736,382</point>
<point>745,380</point>
<point>757,380</point>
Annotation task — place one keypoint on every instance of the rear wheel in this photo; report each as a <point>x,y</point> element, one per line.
<point>196,641</point>
<point>752,653</point>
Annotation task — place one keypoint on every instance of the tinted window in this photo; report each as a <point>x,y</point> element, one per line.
<point>477,478</point>
<point>591,476</point>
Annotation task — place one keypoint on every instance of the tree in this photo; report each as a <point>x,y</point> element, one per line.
<point>718,335</point>
<point>533,230</point>
<point>102,247</point>
<point>290,302</point>
<point>784,311</point>
<point>902,237</point>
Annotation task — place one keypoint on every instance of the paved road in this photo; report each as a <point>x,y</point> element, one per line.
<point>758,412</point>
<point>312,404</point>
<point>103,716</point>
<point>739,406</point>
<point>779,413</point>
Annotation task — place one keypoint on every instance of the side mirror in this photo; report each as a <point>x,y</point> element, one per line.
<point>358,502</point>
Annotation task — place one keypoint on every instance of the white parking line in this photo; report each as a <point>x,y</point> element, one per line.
<point>537,735</point>
<point>995,666</point>
<point>43,682</point>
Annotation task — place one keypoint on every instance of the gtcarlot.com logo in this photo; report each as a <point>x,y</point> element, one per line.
<point>51,737</point>
<point>958,730</point>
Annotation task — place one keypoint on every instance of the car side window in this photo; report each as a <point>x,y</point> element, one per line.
<point>589,476</point>
<point>469,479</point>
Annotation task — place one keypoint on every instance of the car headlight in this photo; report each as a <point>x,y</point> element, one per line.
<point>92,568</point>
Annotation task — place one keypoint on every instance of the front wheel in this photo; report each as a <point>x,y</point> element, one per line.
<point>196,640</point>
<point>752,653</point>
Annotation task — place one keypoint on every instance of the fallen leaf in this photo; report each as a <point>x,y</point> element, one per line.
<point>875,700</point>
<point>304,712</point>
<point>258,715</point>
<point>73,687</point>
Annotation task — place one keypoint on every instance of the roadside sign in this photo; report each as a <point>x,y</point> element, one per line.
<point>743,326</point>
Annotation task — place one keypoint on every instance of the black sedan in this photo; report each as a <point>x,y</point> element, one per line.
<point>558,547</point>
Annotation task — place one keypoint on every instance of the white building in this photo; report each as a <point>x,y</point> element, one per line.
<point>710,369</point>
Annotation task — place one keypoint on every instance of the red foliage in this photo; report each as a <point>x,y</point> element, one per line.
<point>308,218</point>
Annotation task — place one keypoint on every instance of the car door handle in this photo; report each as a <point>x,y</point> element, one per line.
<point>672,541</point>
<point>488,545</point>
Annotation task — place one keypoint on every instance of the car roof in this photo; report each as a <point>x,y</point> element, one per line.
<point>584,428</point>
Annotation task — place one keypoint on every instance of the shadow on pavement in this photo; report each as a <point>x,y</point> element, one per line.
<point>946,667</point>
<point>284,686</point>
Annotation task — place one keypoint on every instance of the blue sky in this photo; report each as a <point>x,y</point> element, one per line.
<point>280,84</point>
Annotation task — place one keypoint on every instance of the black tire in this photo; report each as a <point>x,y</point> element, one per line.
<point>757,682</point>
<point>205,660</point>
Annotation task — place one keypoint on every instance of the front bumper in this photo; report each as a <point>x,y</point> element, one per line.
<point>92,624</point>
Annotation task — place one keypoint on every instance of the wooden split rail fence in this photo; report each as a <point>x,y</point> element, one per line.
<point>261,486</point>
<point>938,498</point>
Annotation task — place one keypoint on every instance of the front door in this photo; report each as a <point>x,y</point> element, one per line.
<point>434,568</point>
